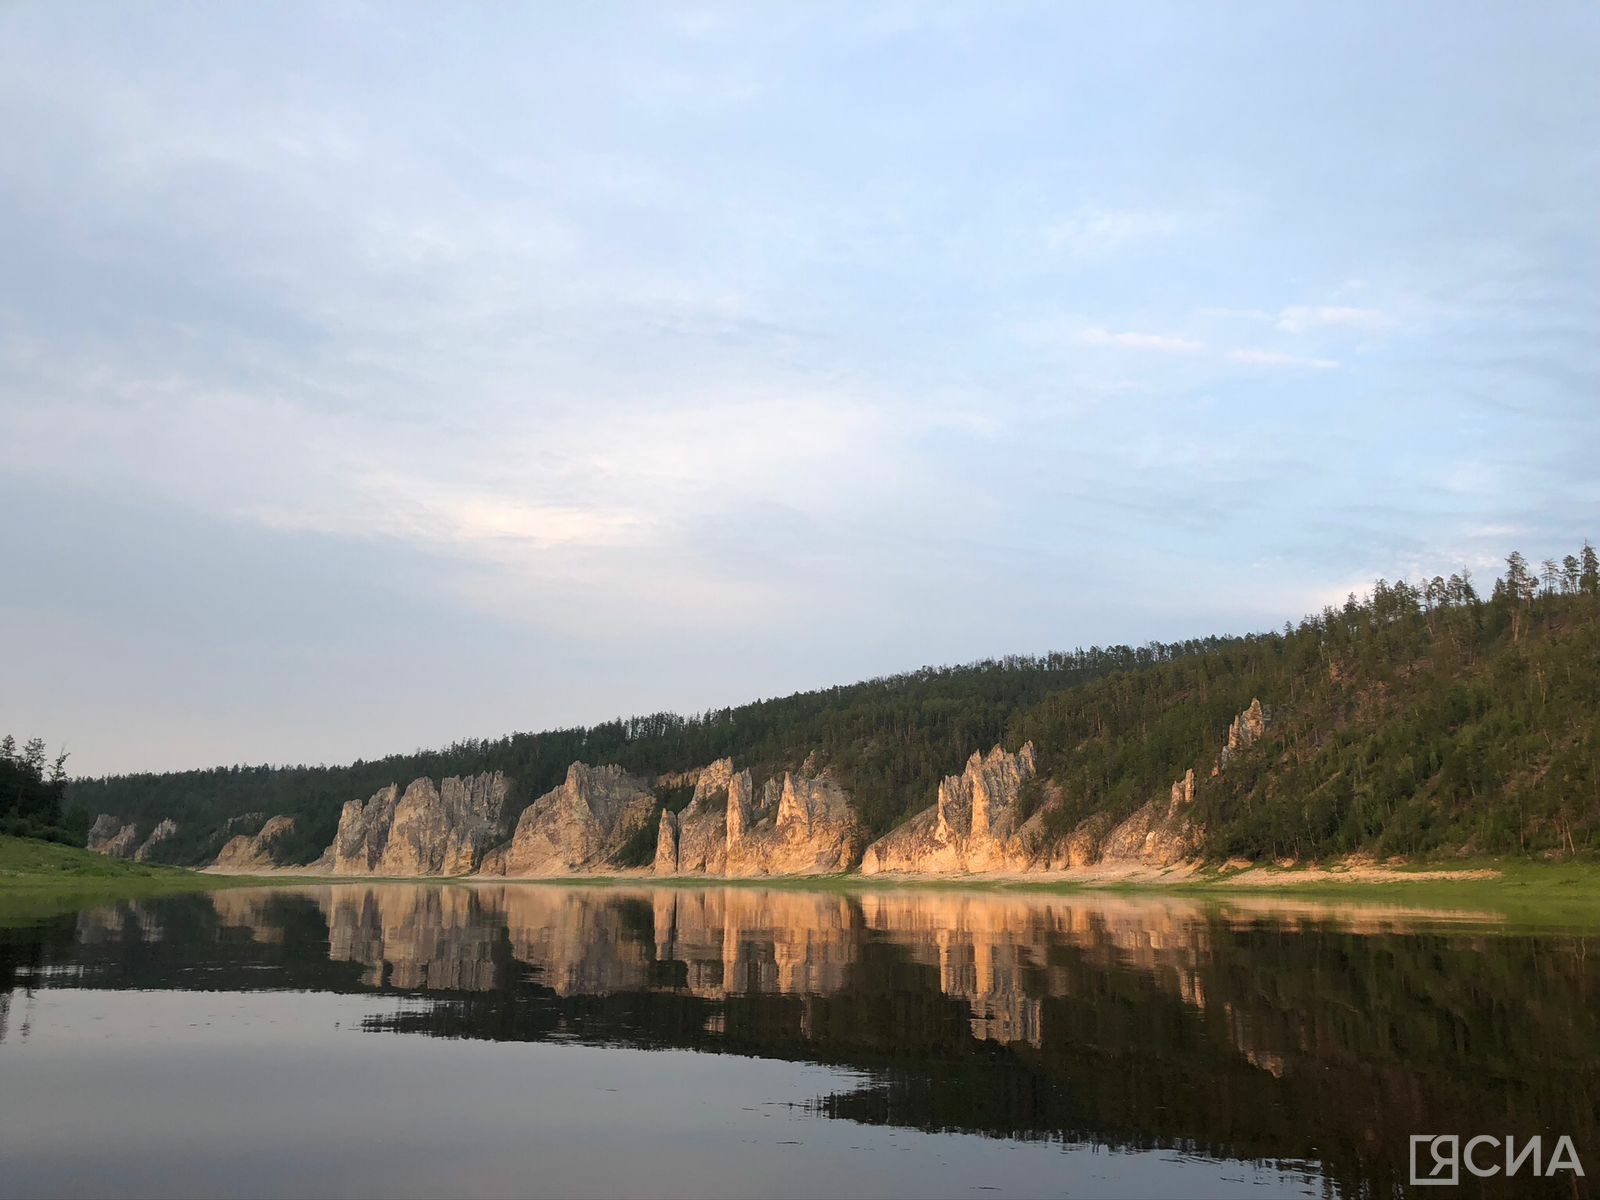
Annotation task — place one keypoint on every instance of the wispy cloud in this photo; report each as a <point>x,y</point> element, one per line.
<point>1159,343</point>
<point>1273,358</point>
<point>1303,318</point>
<point>1235,314</point>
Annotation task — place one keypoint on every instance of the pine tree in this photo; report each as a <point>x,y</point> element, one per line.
<point>33,757</point>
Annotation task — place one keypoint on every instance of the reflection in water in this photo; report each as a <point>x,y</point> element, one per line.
<point>1254,1030</point>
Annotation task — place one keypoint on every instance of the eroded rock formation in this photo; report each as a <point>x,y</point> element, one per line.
<point>1163,832</point>
<point>695,840</point>
<point>249,852</point>
<point>428,830</point>
<point>579,826</point>
<point>157,846</point>
<point>112,836</point>
<point>998,816</point>
<point>798,823</point>
<point>975,825</point>
<point>812,830</point>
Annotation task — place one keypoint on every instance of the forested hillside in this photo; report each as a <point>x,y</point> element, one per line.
<point>1417,719</point>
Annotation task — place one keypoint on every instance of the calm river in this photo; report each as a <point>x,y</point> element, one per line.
<point>438,1039</point>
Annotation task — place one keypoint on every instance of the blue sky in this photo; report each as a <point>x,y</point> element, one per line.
<point>373,375</point>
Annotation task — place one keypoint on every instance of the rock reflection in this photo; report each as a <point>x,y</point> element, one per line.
<point>1260,1028</point>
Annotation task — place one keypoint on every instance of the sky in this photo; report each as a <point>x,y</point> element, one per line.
<point>375,375</point>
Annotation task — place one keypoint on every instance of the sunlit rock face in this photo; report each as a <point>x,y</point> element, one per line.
<point>1246,728</point>
<point>1159,833</point>
<point>1164,832</point>
<point>666,860</point>
<point>112,836</point>
<point>698,835</point>
<point>246,852</point>
<point>579,826</point>
<point>428,830</point>
<point>799,823</point>
<point>975,825</point>
<point>979,823</point>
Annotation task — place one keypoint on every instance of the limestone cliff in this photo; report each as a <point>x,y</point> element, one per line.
<point>695,841</point>
<point>157,846</point>
<point>975,825</point>
<point>997,816</point>
<point>1246,728</point>
<point>112,836</point>
<point>1158,834</point>
<point>1162,832</point>
<point>578,826</point>
<point>427,830</point>
<point>248,852</point>
<point>799,823</point>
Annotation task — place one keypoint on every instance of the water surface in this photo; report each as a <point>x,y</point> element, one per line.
<point>418,1039</point>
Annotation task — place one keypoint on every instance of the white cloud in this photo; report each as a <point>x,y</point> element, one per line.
<point>1240,314</point>
<point>1160,343</point>
<point>1272,358</point>
<point>1301,318</point>
<point>1094,232</point>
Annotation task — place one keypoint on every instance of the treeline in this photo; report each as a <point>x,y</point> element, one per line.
<point>32,796</point>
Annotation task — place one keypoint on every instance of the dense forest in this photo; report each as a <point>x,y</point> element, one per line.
<point>32,797</point>
<point>1419,718</point>
<point>1416,719</point>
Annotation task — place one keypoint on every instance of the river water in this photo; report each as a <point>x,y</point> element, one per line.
<point>531,1039</point>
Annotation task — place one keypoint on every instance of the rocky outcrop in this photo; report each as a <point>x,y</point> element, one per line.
<point>975,825</point>
<point>1246,728</point>
<point>157,846</point>
<point>579,826</point>
<point>257,851</point>
<point>811,829</point>
<point>427,830</point>
<point>996,816</point>
<point>978,823</point>
<point>695,840</point>
<point>799,823</point>
<point>363,833</point>
<point>1163,833</point>
<point>1158,834</point>
<point>666,862</point>
<point>113,837</point>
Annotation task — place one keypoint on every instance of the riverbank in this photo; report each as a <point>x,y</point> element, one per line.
<point>1568,891</point>
<point>1467,880</point>
<point>38,879</point>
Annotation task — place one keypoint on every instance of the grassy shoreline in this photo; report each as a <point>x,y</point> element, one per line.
<point>42,879</point>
